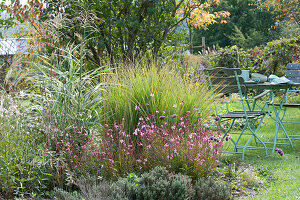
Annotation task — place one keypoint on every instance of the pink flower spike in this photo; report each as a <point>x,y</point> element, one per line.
<point>152,94</point>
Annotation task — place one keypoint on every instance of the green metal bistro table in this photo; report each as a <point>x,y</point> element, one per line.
<point>277,109</point>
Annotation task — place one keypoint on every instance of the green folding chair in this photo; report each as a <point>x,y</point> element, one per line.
<point>227,81</point>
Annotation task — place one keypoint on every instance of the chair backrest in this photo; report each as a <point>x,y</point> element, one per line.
<point>293,72</point>
<point>224,79</point>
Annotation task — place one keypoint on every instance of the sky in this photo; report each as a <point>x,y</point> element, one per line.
<point>21,1</point>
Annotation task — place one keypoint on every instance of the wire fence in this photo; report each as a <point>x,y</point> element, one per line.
<point>8,48</point>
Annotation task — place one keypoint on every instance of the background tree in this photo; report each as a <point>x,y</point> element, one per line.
<point>286,10</point>
<point>287,16</point>
<point>120,30</point>
<point>246,27</point>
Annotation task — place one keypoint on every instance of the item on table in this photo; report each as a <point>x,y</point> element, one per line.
<point>259,77</point>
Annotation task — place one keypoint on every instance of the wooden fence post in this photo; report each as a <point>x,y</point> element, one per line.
<point>203,45</point>
<point>197,47</point>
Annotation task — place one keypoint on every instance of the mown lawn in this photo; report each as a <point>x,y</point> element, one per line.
<point>285,170</point>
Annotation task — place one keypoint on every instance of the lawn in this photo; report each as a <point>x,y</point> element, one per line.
<point>285,170</point>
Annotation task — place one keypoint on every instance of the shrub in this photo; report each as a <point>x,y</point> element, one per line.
<point>270,59</point>
<point>90,188</point>
<point>209,189</point>
<point>277,54</point>
<point>181,146</point>
<point>157,184</point>
<point>231,57</point>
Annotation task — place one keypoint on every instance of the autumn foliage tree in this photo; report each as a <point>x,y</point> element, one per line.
<point>287,9</point>
<point>247,26</point>
<point>120,30</point>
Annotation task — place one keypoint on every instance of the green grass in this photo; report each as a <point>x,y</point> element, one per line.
<point>285,169</point>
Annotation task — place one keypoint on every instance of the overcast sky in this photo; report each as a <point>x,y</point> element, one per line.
<point>21,1</point>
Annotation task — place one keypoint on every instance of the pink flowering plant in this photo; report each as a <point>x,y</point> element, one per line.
<point>181,146</point>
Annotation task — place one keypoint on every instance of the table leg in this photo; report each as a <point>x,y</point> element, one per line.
<point>279,123</point>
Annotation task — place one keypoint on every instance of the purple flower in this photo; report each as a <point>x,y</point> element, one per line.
<point>181,104</point>
<point>143,128</point>
<point>152,94</point>
<point>217,118</point>
<point>137,108</point>
<point>212,138</point>
<point>174,116</point>
<point>279,151</point>
<point>162,117</point>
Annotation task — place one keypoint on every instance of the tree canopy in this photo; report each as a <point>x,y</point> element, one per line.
<point>120,30</point>
<point>247,26</point>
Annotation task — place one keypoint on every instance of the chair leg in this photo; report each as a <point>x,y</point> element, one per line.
<point>253,121</point>
<point>245,146</point>
<point>275,137</point>
<point>277,126</point>
<point>256,136</point>
<point>250,124</point>
<point>242,132</point>
<point>283,128</point>
<point>226,132</point>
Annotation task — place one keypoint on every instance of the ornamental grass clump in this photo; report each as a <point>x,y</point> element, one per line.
<point>143,89</point>
<point>68,99</point>
<point>178,145</point>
